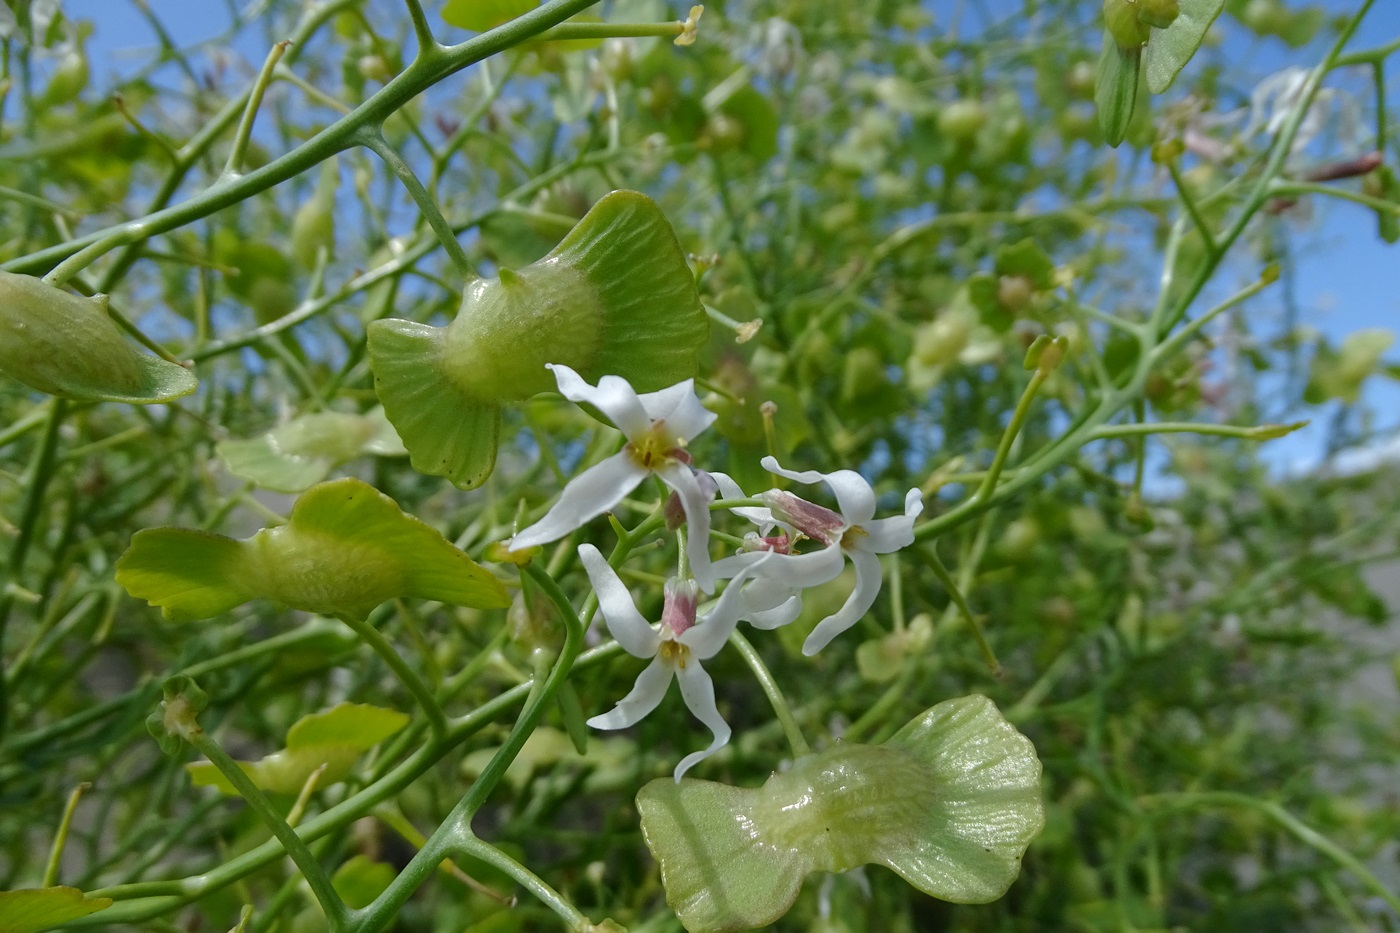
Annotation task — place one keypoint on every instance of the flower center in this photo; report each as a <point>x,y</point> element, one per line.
<point>654,447</point>
<point>674,653</point>
<point>850,538</point>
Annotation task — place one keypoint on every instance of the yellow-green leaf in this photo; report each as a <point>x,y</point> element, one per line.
<point>335,739</point>
<point>481,15</point>
<point>42,908</point>
<point>345,549</point>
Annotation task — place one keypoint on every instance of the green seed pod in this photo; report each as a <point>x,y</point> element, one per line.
<point>1158,13</point>
<point>1120,18</point>
<point>615,297</point>
<point>949,803</point>
<point>66,345</point>
<point>345,549</point>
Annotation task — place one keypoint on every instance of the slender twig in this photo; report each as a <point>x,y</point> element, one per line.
<point>337,915</point>
<point>774,693</point>
<point>407,675</point>
<point>61,837</point>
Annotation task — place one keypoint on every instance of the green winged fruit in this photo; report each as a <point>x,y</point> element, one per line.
<point>69,346</point>
<point>615,297</point>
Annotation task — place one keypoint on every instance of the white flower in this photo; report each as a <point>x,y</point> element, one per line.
<point>658,426</point>
<point>676,647</point>
<point>854,532</point>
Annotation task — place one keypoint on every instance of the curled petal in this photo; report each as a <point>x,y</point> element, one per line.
<point>680,408</point>
<point>763,594</point>
<point>854,495</point>
<point>588,495</point>
<point>697,519</point>
<point>625,623</point>
<point>729,489</point>
<point>613,396</point>
<point>868,578</point>
<point>885,535</point>
<point>699,692</point>
<point>795,571</point>
<point>777,617</point>
<point>645,696</point>
<point>708,636</point>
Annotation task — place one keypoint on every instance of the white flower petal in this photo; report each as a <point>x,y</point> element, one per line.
<point>699,692</point>
<point>625,623</point>
<point>794,571</point>
<point>776,617</point>
<point>697,521</point>
<point>613,396</point>
<point>886,535</point>
<point>712,630</point>
<point>763,594</point>
<point>854,495</point>
<point>868,579</point>
<point>588,495</point>
<point>645,696</point>
<point>728,489</point>
<point>680,408</point>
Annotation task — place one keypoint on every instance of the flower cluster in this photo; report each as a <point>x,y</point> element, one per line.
<point>798,544</point>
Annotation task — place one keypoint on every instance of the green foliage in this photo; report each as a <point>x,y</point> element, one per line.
<point>614,297</point>
<point>326,745</point>
<point>855,225</point>
<point>345,549</point>
<point>950,803</point>
<point>68,346</point>
<point>45,908</point>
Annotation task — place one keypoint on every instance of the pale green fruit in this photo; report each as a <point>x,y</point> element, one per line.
<point>615,298</point>
<point>950,803</point>
<point>345,549</point>
<point>66,345</point>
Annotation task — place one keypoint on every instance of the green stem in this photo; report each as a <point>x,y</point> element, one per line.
<point>244,134</point>
<point>455,834</point>
<point>1294,826</point>
<point>61,837</point>
<point>567,31</point>
<point>375,142</point>
<point>431,67</point>
<point>1261,432</point>
<point>1018,418</point>
<point>421,30</point>
<point>469,844</point>
<point>36,484</point>
<point>337,915</point>
<point>932,561</point>
<point>1286,189</point>
<point>407,675</point>
<point>774,694</point>
<point>1189,202</point>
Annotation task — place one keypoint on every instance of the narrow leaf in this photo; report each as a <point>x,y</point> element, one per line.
<point>1115,90</point>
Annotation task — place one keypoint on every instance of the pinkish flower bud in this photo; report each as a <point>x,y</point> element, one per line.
<point>678,610</point>
<point>778,544</point>
<point>818,523</point>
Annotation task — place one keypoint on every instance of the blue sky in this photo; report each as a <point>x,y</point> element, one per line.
<point>1346,278</point>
